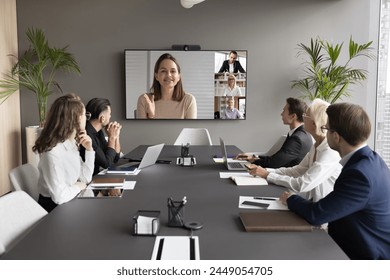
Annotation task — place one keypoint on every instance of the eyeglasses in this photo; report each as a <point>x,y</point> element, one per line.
<point>324,129</point>
<point>88,115</point>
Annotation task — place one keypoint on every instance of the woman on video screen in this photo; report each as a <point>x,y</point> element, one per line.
<point>167,99</point>
<point>232,89</point>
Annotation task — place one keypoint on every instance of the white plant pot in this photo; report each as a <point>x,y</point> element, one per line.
<point>32,133</point>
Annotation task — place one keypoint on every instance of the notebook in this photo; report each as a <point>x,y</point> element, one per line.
<point>273,220</point>
<point>150,157</point>
<point>241,180</point>
<point>230,163</point>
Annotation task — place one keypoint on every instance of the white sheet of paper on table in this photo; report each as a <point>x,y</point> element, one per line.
<point>175,247</point>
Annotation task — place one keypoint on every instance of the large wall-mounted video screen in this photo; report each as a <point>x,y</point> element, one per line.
<point>215,83</point>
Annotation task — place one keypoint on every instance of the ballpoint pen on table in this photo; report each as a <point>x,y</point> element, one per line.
<point>265,198</point>
<point>163,161</point>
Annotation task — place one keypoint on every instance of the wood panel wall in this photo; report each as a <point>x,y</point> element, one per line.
<point>10,128</point>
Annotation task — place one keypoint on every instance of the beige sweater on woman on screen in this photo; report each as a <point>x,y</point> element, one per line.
<point>169,109</point>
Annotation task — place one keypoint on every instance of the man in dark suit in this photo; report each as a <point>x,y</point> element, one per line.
<point>232,65</point>
<point>297,143</point>
<point>358,209</point>
<point>107,152</point>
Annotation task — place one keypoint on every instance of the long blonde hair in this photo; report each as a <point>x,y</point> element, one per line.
<point>62,121</point>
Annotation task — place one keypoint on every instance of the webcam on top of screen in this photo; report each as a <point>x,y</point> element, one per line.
<point>186,47</point>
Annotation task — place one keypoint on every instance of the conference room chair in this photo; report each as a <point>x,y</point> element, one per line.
<point>275,147</point>
<point>25,178</point>
<point>19,213</point>
<point>193,136</point>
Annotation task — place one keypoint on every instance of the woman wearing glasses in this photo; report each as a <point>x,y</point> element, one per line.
<point>316,173</point>
<point>231,88</point>
<point>62,172</point>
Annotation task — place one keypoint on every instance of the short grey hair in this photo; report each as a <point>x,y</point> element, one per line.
<point>318,114</point>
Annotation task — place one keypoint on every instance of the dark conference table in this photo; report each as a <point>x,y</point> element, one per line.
<point>102,228</point>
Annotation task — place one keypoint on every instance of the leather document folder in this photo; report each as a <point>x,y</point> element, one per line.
<point>273,220</point>
<point>107,181</point>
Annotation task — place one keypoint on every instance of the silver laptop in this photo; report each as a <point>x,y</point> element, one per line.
<point>150,157</point>
<point>231,164</point>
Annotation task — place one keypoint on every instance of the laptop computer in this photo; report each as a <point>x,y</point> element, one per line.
<point>231,164</point>
<point>150,157</point>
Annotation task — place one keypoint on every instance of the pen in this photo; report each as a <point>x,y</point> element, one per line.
<point>163,161</point>
<point>170,202</point>
<point>265,198</point>
<point>183,202</point>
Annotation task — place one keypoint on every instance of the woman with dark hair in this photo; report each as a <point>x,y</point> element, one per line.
<point>167,99</point>
<point>100,125</point>
<point>62,172</point>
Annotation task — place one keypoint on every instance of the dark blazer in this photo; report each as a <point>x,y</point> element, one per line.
<point>237,67</point>
<point>104,156</point>
<point>293,150</point>
<point>358,209</point>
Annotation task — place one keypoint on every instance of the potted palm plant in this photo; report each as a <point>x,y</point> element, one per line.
<point>35,71</point>
<point>323,77</point>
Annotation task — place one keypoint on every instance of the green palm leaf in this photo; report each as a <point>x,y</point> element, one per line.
<point>325,78</point>
<point>36,70</point>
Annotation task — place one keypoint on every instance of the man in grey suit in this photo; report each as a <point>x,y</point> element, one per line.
<point>297,143</point>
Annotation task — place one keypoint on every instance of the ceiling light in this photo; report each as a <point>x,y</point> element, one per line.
<point>189,3</point>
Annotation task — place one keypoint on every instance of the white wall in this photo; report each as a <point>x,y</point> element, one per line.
<point>98,31</point>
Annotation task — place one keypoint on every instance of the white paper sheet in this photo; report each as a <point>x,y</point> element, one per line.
<point>175,247</point>
<point>129,185</point>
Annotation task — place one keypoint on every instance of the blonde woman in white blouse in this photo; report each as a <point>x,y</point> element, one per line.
<point>231,88</point>
<point>316,173</point>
